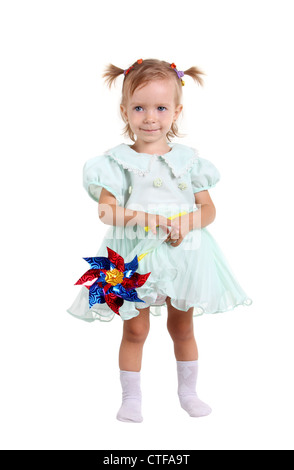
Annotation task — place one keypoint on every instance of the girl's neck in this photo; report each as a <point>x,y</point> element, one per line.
<point>151,148</point>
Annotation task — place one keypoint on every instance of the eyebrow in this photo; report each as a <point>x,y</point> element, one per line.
<point>142,104</point>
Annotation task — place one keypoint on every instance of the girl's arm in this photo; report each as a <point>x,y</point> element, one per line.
<point>206,214</point>
<point>110,213</point>
<point>181,226</point>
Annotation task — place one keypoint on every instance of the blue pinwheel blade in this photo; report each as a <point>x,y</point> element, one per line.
<point>131,268</point>
<point>130,295</point>
<point>99,262</point>
<point>96,295</point>
<point>101,278</point>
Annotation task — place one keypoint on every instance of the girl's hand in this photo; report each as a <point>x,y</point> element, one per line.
<point>179,229</point>
<point>154,220</point>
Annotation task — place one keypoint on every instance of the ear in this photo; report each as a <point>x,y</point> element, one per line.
<point>178,111</point>
<point>124,112</point>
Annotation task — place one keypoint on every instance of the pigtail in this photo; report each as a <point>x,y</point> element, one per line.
<point>195,73</point>
<point>111,73</point>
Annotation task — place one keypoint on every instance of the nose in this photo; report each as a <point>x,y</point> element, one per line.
<point>149,116</point>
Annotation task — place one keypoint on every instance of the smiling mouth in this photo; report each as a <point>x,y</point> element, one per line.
<point>150,130</point>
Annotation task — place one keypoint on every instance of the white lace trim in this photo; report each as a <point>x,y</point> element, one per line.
<point>127,166</point>
<point>183,170</point>
<point>177,172</point>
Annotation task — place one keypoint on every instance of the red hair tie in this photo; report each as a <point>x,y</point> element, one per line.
<point>131,67</point>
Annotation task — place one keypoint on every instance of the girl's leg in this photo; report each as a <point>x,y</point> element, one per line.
<point>135,332</point>
<point>181,328</point>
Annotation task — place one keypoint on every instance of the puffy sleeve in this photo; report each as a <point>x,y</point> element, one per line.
<point>204,175</point>
<point>104,172</point>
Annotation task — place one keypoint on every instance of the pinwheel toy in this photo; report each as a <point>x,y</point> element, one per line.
<point>111,280</point>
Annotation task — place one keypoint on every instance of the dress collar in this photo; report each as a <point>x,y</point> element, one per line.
<point>180,158</point>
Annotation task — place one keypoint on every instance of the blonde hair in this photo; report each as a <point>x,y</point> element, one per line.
<point>142,72</point>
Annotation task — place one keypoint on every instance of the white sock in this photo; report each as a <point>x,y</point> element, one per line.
<point>130,410</point>
<point>187,379</point>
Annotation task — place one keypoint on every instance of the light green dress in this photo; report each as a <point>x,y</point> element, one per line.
<point>193,274</point>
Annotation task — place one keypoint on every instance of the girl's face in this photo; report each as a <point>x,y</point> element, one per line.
<point>151,110</point>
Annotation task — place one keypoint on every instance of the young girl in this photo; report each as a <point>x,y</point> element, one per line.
<point>154,195</point>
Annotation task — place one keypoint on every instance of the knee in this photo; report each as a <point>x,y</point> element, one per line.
<point>180,330</point>
<point>136,332</point>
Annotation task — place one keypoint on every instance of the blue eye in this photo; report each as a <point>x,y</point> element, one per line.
<point>137,108</point>
<point>161,108</point>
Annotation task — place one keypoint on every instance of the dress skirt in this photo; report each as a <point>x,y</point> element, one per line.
<point>193,274</point>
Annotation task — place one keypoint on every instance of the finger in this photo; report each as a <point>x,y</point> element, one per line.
<point>175,243</point>
<point>167,238</point>
<point>175,235</point>
<point>164,227</point>
<point>164,221</point>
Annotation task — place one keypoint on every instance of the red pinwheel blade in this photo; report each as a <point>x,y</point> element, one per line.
<point>116,259</point>
<point>106,287</point>
<point>90,275</point>
<point>114,302</point>
<point>136,280</point>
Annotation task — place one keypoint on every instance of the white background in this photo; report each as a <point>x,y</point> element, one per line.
<point>59,376</point>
